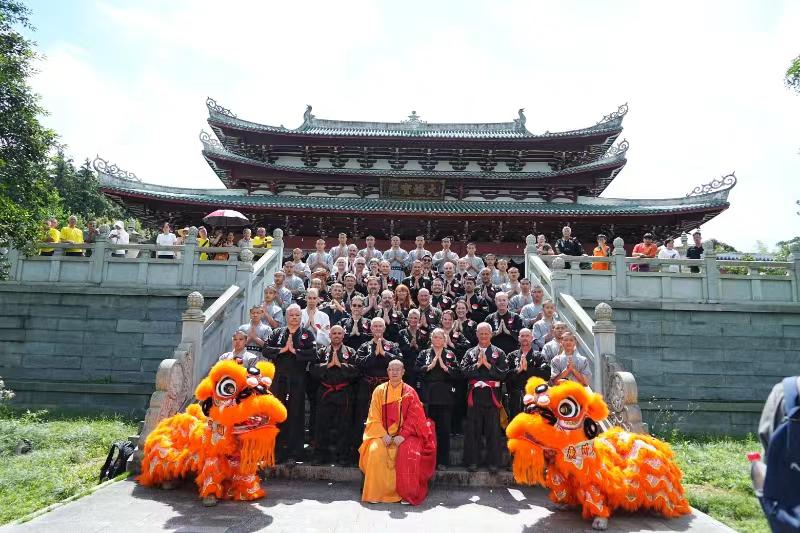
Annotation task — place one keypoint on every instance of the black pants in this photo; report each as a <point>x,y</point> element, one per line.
<point>441,416</point>
<point>312,385</point>
<point>515,402</point>
<point>334,430</point>
<point>483,424</point>
<point>74,254</point>
<point>51,252</point>
<point>290,390</point>
<point>459,410</point>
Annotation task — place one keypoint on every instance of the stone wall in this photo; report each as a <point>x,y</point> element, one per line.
<point>90,349</point>
<point>706,368</point>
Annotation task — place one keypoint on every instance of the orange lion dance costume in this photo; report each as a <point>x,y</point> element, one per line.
<point>223,440</point>
<point>555,444</point>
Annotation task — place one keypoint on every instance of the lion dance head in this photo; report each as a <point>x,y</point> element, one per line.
<point>224,439</point>
<point>557,443</point>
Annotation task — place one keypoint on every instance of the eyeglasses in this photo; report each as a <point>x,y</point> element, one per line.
<point>426,260</point>
<point>356,305</point>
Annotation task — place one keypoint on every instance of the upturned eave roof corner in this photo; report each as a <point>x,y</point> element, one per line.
<point>112,172</point>
<point>614,118</point>
<point>718,187</point>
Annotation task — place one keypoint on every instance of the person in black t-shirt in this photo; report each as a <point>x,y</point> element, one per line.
<point>568,245</point>
<point>696,251</point>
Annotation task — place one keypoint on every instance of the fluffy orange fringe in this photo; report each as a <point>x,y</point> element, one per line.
<point>615,470</point>
<point>225,463</point>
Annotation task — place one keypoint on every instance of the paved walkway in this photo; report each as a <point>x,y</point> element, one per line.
<point>294,507</point>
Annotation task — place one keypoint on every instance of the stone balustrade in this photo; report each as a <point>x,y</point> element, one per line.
<point>713,280</point>
<point>140,267</point>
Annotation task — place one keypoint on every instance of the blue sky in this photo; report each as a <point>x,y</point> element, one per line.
<point>703,81</point>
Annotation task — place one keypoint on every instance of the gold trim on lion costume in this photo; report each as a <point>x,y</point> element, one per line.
<point>224,439</point>
<point>555,444</point>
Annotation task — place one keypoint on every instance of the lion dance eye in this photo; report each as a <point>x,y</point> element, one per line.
<point>226,387</point>
<point>568,408</point>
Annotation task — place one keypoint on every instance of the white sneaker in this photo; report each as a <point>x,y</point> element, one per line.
<point>403,502</point>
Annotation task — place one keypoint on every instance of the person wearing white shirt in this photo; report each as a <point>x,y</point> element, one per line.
<point>301,270</point>
<point>166,238</point>
<point>668,251</point>
<point>341,250</point>
<point>370,251</point>
<point>118,236</point>
<point>316,320</point>
<point>475,262</point>
<point>419,252</point>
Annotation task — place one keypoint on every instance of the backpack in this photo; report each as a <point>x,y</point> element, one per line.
<point>781,495</point>
<point>117,460</point>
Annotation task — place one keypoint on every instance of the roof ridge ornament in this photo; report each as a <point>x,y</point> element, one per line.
<point>111,169</point>
<point>519,123</point>
<point>617,150</point>
<point>616,115</point>
<point>210,142</point>
<point>723,183</point>
<point>214,107</point>
<point>308,118</point>
<point>413,122</point>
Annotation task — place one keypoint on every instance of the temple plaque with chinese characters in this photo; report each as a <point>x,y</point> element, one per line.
<point>412,189</point>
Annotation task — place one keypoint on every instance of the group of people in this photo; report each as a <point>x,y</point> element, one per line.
<point>465,333</point>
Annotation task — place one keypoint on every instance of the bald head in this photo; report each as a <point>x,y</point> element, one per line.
<point>395,371</point>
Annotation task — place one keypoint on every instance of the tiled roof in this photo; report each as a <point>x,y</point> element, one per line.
<point>712,202</point>
<point>414,127</point>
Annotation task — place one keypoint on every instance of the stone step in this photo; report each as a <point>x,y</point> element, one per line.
<point>454,476</point>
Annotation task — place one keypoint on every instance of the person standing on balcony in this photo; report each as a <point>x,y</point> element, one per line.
<point>474,263</point>
<point>167,238</point>
<point>568,245</point>
<point>291,349</point>
<point>418,253</point>
<point>668,251</point>
<point>90,235</point>
<point>320,258</point>
<point>72,235</point>
<point>246,241</point>
<point>601,250</point>
<point>542,246</point>
<point>444,255</point>
<point>397,258</point>
<point>202,241</point>
<point>696,251</point>
<point>262,240</point>
<point>119,236</point>
<point>644,250</point>
<point>51,234</point>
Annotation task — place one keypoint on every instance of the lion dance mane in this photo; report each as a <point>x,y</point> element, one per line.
<point>555,444</point>
<point>224,439</point>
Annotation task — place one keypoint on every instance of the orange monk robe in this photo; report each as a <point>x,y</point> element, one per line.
<point>393,473</point>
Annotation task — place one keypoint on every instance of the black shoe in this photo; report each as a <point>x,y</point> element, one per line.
<point>472,468</point>
<point>493,469</point>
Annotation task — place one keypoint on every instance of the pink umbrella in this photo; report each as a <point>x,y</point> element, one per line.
<point>226,217</point>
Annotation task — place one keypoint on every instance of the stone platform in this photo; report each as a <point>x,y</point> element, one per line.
<point>452,477</point>
<point>294,507</point>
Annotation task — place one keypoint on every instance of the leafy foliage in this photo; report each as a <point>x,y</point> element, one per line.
<point>79,189</point>
<point>792,77</point>
<point>25,192</point>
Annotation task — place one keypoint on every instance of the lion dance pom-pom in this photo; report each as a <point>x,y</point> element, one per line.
<point>223,440</point>
<point>555,443</point>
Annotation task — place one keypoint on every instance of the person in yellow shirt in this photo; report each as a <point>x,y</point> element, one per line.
<point>203,242</point>
<point>51,234</point>
<point>72,235</point>
<point>602,250</point>
<point>262,240</point>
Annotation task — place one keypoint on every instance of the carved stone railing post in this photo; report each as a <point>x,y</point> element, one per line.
<point>558,278</point>
<point>190,258</point>
<point>618,387</point>
<point>712,272</point>
<point>794,258</point>
<point>277,243</point>
<point>175,377</point>
<point>530,250</point>
<point>245,278</point>
<point>134,237</point>
<point>620,269</point>
<point>99,253</point>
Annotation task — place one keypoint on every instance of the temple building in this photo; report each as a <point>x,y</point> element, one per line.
<point>483,182</point>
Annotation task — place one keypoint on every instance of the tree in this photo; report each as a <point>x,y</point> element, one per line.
<point>26,195</point>
<point>79,189</point>
<point>792,78</point>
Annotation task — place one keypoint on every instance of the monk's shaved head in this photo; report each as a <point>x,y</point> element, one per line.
<point>395,363</point>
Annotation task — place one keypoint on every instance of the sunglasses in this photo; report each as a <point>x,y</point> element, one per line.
<point>356,305</point>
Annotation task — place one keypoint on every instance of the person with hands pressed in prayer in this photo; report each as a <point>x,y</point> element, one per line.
<point>291,349</point>
<point>412,341</point>
<point>430,315</point>
<point>438,370</point>
<point>523,364</point>
<point>257,332</point>
<point>569,364</point>
<point>356,326</point>
<point>416,280</point>
<point>505,325</point>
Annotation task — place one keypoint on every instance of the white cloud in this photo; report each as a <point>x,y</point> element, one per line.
<point>703,80</point>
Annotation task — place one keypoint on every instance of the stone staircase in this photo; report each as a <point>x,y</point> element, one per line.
<point>456,475</point>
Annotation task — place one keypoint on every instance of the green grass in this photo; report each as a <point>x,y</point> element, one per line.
<point>716,475</point>
<point>67,453</point>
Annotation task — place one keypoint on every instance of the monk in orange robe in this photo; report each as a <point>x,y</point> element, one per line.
<point>398,455</point>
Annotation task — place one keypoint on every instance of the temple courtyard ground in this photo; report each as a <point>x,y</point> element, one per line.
<point>295,506</point>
